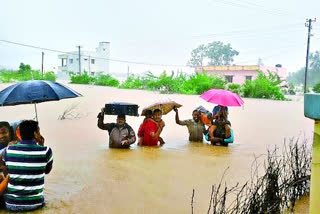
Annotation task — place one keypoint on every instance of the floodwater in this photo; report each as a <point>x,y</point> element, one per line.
<point>88,177</point>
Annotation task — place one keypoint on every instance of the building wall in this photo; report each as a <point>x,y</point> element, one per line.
<point>240,73</point>
<point>91,62</point>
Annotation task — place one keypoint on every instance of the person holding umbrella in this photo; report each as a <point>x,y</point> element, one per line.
<point>121,135</point>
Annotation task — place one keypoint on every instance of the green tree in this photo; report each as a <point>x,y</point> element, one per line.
<point>23,68</point>
<point>197,56</point>
<point>216,52</point>
<point>313,78</point>
<point>220,54</point>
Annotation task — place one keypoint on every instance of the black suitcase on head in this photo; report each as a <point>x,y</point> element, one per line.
<point>120,108</point>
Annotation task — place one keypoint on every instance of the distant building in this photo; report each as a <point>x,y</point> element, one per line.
<point>91,62</point>
<point>238,74</point>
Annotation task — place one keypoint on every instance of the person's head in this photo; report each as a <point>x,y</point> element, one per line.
<point>196,115</point>
<point>157,114</point>
<point>220,119</point>
<point>29,129</point>
<point>5,135</point>
<point>148,114</point>
<point>121,119</point>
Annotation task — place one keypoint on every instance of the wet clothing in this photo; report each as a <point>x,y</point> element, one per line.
<point>142,127</point>
<point>220,130</point>
<point>117,134</point>
<point>205,120</point>
<point>150,127</point>
<point>26,163</point>
<point>195,129</point>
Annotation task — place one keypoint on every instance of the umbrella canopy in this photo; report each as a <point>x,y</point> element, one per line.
<point>164,106</point>
<point>222,97</point>
<point>35,91</point>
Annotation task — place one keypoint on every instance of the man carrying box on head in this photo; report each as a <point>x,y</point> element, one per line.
<point>121,135</point>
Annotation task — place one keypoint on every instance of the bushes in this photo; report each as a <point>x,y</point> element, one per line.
<point>235,88</point>
<point>181,83</point>
<point>263,87</point>
<point>25,73</point>
<point>316,88</point>
<point>84,78</point>
<point>198,83</point>
<point>132,82</point>
<point>106,80</point>
<point>81,78</point>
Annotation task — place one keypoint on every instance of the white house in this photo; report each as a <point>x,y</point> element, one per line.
<point>91,62</point>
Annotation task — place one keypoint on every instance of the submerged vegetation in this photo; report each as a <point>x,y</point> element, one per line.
<point>25,73</point>
<point>180,83</point>
<point>286,178</point>
<point>264,86</point>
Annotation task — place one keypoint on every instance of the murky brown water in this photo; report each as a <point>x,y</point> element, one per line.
<point>88,177</point>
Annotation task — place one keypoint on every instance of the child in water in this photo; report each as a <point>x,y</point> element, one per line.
<point>149,116</point>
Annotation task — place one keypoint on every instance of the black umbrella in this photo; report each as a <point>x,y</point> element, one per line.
<point>35,91</point>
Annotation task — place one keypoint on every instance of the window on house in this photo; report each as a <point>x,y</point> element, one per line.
<point>70,61</point>
<point>93,61</point>
<point>85,59</point>
<point>229,78</point>
<point>92,73</point>
<point>248,77</point>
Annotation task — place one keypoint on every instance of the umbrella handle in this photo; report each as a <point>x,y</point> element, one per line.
<point>35,108</point>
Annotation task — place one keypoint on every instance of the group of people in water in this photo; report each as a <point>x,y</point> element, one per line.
<point>214,126</point>
<point>24,159</point>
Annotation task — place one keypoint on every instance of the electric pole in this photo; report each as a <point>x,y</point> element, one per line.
<point>42,64</point>
<point>307,24</point>
<point>128,72</point>
<point>79,59</point>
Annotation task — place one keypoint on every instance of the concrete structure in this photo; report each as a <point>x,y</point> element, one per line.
<point>238,74</point>
<point>312,111</point>
<point>91,62</point>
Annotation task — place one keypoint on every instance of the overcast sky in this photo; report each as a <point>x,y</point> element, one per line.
<point>158,32</point>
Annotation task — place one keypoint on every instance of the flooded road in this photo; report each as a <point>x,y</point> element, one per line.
<point>88,177</point>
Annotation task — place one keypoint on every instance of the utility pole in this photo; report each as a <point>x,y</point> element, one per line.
<point>42,64</point>
<point>128,72</point>
<point>307,24</point>
<point>79,59</point>
<point>89,64</point>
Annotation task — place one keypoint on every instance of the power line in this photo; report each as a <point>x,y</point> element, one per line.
<point>115,60</point>
<point>248,6</point>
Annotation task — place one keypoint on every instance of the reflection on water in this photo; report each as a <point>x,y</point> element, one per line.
<point>88,177</point>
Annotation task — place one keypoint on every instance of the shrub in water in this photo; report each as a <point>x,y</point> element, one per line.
<point>81,78</point>
<point>132,82</point>
<point>106,80</point>
<point>316,88</point>
<point>263,87</point>
<point>235,88</point>
<point>198,83</point>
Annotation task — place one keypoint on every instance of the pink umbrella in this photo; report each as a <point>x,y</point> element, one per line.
<point>222,97</point>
